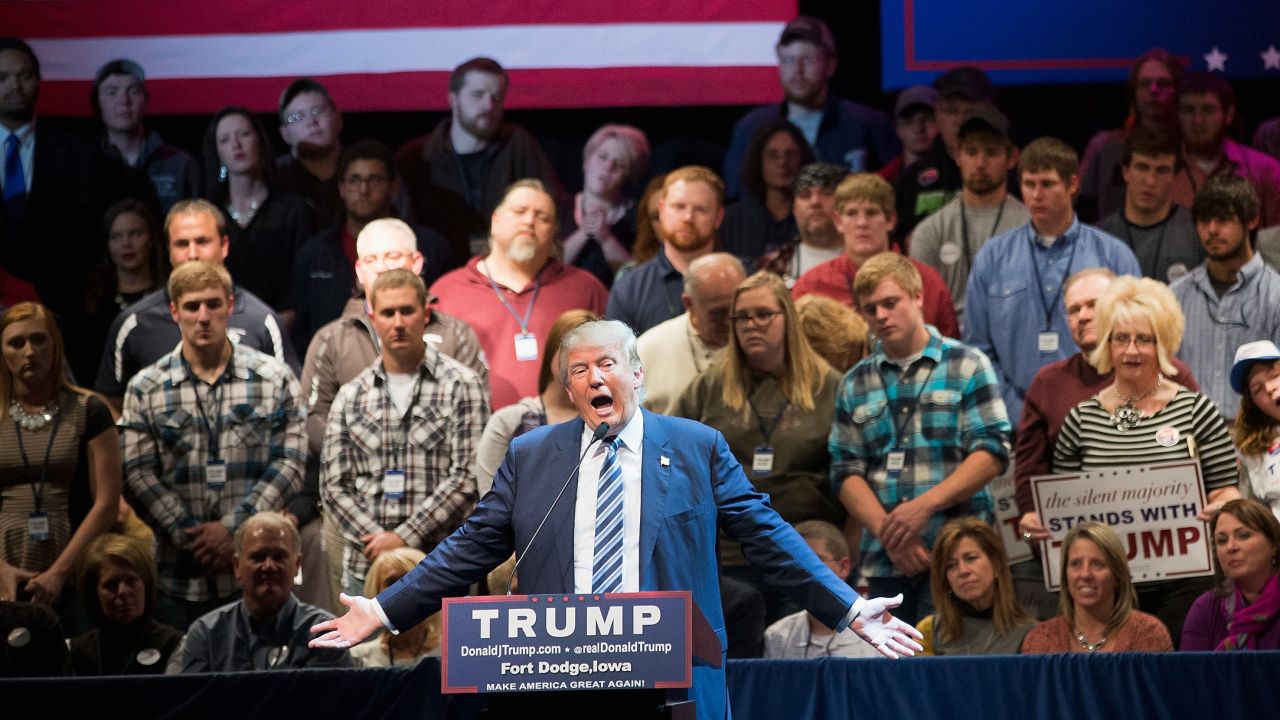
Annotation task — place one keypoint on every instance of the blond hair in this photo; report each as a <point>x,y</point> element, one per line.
<point>696,173</point>
<point>1130,299</point>
<point>387,568</point>
<point>834,330</point>
<point>40,313</point>
<point>802,368</point>
<point>1005,610</point>
<point>887,265</point>
<point>196,275</point>
<point>865,187</point>
<point>1253,430</point>
<point>1113,552</point>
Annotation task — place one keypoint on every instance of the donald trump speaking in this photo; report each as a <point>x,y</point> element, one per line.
<point>640,514</point>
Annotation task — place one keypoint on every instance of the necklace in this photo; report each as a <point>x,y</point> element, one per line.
<point>1088,646</point>
<point>245,217</point>
<point>1127,415</point>
<point>28,420</point>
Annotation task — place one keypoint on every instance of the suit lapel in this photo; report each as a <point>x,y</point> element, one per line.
<point>560,522</point>
<point>655,478</point>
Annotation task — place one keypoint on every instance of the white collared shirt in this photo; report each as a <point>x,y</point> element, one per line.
<point>26,150</point>
<point>630,456</point>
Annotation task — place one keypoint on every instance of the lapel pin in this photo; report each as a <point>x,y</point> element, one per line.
<point>664,461</point>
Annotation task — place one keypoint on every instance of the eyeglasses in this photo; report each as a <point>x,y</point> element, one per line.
<point>300,115</point>
<point>1122,340</point>
<point>373,181</point>
<point>756,319</point>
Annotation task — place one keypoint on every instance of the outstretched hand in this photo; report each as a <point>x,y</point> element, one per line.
<point>887,634</point>
<point>358,623</point>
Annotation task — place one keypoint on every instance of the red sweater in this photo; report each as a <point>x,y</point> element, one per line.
<point>834,279</point>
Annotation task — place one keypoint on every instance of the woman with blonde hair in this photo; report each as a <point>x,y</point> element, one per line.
<point>773,397</point>
<point>1143,417</point>
<point>1097,600</point>
<point>977,612</point>
<point>833,329</point>
<point>410,646</point>
<point>59,465</point>
<point>600,231</point>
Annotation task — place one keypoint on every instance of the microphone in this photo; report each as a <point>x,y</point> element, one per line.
<point>601,430</point>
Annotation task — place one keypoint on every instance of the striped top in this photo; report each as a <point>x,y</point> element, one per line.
<point>1089,441</point>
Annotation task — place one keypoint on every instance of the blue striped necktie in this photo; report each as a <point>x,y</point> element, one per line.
<point>606,569</point>
<point>15,181</point>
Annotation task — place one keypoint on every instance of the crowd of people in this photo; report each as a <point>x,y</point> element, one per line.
<point>236,385</point>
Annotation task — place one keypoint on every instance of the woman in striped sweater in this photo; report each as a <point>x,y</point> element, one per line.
<point>1144,418</point>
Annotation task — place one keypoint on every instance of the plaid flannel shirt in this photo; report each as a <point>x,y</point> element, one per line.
<point>366,437</point>
<point>165,444</point>
<point>959,412</point>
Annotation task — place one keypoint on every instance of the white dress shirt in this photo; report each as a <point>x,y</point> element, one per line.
<point>584,514</point>
<point>26,150</point>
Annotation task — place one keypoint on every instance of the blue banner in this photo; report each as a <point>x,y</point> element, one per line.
<point>1049,41</point>
<point>524,643</point>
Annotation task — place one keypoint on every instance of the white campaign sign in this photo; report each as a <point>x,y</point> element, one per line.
<point>1152,507</point>
<point>1007,516</point>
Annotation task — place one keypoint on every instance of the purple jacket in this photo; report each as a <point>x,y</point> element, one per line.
<point>1207,623</point>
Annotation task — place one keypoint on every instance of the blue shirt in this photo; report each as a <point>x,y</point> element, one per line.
<point>947,405</point>
<point>1216,326</point>
<point>648,295</point>
<point>1005,311</point>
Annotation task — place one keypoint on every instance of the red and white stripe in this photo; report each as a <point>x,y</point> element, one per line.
<point>396,54</point>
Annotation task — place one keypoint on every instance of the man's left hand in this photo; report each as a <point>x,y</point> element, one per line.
<point>904,523</point>
<point>887,634</point>
<point>377,543</point>
<point>212,544</point>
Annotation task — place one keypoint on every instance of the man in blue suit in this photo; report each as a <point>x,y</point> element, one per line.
<point>675,481</point>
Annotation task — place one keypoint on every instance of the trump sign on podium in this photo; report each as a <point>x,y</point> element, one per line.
<point>524,643</point>
<point>1152,508</point>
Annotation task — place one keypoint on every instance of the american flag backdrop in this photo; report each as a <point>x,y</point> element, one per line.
<point>396,54</point>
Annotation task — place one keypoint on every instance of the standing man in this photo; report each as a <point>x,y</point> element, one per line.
<point>1013,303</point>
<point>915,121</point>
<point>856,137</point>
<point>1206,110</point>
<point>949,239</point>
<point>458,173</point>
<point>865,217</point>
<point>146,330</point>
<point>401,439</point>
<point>312,126</point>
<point>119,99</point>
<point>322,276</point>
<point>211,434</point>
<point>919,432</point>
<point>690,210</point>
<point>814,206</point>
<point>1160,233</point>
<point>512,295</point>
<point>1231,298</point>
<point>677,350</point>
<point>651,464</point>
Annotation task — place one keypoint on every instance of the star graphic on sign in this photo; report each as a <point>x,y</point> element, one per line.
<point>1216,59</point>
<point>1270,58</point>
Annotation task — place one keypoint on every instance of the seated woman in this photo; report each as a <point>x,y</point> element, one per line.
<point>1097,600</point>
<point>1256,376</point>
<point>550,407</point>
<point>835,331</point>
<point>600,231</point>
<point>773,397</point>
<point>60,476</point>
<point>118,581</point>
<point>977,611</point>
<point>410,646</point>
<point>1144,418</point>
<point>1240,614</point>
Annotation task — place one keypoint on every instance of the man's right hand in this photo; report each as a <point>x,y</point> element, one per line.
<point>912,559</point>
<point>351,629</point>
<point>1030,528</point>
<point>12,578</point>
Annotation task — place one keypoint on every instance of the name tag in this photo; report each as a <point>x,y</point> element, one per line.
<point>393,484</point>
<point>526,346</point>
<point>762,461</point>
<point>215,474</point>
<point>1048,342</point>
<point>896,460</point>
<point>38,526</point>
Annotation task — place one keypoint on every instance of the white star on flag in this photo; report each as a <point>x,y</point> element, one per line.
<point>1270,58</point>
<point>1216,59</point>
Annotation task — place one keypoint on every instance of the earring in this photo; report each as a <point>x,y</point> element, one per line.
<point>222,173</point>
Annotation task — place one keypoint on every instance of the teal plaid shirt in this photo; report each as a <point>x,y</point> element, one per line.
<point>959,411</point>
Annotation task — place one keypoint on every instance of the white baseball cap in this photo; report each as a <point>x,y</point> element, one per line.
<point>1246,355</point>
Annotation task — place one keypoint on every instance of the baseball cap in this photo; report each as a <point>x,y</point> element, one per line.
<point>122,66</point>
<point>1246,355</point>
<point>985,117</point>
<point>809,29</point>
<point>968,82</point>
<point>915,96</point>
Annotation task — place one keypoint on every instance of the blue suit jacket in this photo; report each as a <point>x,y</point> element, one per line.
<point>701,487</point>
